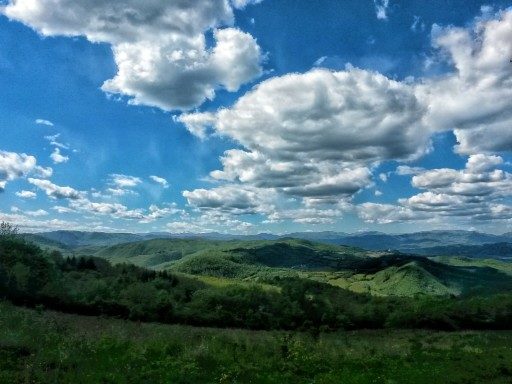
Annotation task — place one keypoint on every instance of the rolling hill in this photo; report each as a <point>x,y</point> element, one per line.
<point>377,273</point>
<point>420,242</point>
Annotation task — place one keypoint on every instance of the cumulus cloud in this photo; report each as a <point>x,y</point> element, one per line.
<point>155,213</point>
<point>477,192</point>
<point>479,178</point>
<point>43,121</point>
<point>120,211</point>
<point>37,213</point>
<point>16,165</point>
<point>209,221</point>
<point>316,134</point>
<point>233,199</point>
<point>476,99</point>
<point>307,215</point>
<point>55,191</point>
<point>186,227</point>
<point>124,181</point>
<point>385,213</point>
<point>197,123</point>
<point>160,180</point>
<point>57,157</point>
<point>61,209</point>
<point>313,137</point>
<point>26,194</point>
<point>43,172</point>
<point>160,48</point>
<point>404,170</point>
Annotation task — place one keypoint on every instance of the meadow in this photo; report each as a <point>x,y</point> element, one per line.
<point>49,347</point>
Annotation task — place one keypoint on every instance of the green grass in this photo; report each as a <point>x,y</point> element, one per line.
<point>48,347</point>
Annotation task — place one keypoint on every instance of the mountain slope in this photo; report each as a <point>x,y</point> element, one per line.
<point>495,250</point>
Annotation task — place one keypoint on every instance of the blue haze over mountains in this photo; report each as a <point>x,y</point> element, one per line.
<point>428,243</point>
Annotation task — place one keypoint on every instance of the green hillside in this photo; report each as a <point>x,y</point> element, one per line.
<point>152,253</point>
<point>263,261</point>
<point>348,268</point>
<point>288,253</point>
<point>45,242</point>
<point>502,266</point>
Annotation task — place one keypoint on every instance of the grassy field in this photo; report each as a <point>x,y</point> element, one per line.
<point>48,347</point>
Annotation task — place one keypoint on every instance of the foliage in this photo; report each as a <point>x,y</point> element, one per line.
<point>47,347</point>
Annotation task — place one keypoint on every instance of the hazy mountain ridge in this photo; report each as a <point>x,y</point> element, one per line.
<point>408,242</point>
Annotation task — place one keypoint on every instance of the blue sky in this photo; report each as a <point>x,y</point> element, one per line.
<point>256,116</point>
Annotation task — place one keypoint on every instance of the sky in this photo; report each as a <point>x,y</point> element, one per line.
<point>249,116</point>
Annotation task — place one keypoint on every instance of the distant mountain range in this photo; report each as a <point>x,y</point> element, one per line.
<point>408,242</point>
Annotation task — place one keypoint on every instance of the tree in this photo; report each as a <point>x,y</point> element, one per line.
<point>8,230</point>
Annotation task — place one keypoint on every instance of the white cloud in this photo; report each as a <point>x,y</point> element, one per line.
<point>385,213</point>
<point>37,213</point>
<point>55,191</point>
<point>124,181</point>
<point>308,135</point>
<point>120,211</point>
<point>209,221</point>
<point>42,172</point>
<point>61,209</point>
<point>478,193</point>
<point>156,213</point>
<point>197,123</point>
<point>476,99</point>
<point>52,139</point>
<point>159,47</point>
<point>43,121</point>
<point>14,165</point>
<point>26,194</point>
<point>160,180</point>
<point>186,227</point>
<point>57,157</point>
<point>477,179</point>
<point>306,215</point>
<point>30,224</point>
<point>311,136</point>
<point>240,4</point>
<point>233,199</point>
<point>381,9</point>
<point>404,170</point>
<point>481,163</point>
